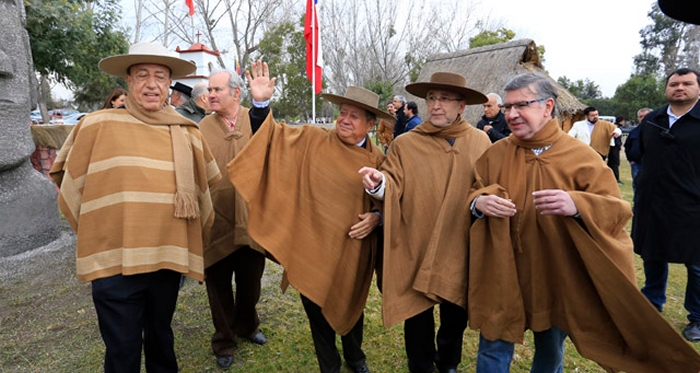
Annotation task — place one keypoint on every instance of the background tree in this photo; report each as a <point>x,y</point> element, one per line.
<point>68,38</point>
<point>583,90</point>
<point>638,92</point>
<point>488,37</point>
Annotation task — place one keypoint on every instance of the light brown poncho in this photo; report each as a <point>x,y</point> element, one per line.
<point>118,190</point>
<point>426,216</point>
<point>230,229</point>
<point>535,271</point>
<point>304,194</point>
<point>600,137</point>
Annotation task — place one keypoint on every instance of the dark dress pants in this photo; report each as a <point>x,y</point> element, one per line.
<point>419,337</point>
<point>324,340</point>
<point>614,161</point>
<point>234,317</point>
<point>133,312</point>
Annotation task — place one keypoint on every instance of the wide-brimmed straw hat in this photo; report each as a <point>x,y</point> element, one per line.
<point>682,10</point>
<point>147,53</point>
<point>446,81</point>
<point>361,98</point>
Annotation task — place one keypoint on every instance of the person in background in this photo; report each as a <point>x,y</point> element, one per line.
<point>493,122</point>
<point>197,107</point>
<point>666,210</point>
<point>230,254</point>
<point>426,214</point>
<point>116,98</point>
<point>401,119</point>
<point>632,151</point>
<point>385,128</point>
<point>411,112</point>
<point>134,184</point>
<point>594,132</point>
<point>614,153</point>
<point>180,93</point>
<point>548,251</point>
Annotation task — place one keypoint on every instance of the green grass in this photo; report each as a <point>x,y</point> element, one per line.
<point>48,324</point>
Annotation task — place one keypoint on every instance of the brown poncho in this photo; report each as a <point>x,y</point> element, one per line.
<point>535,271</point>
<point>426,216</point>
<point>304,194</point>
<point>135,187</point>
<point>230,231</point>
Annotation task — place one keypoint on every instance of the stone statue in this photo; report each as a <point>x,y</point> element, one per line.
<point>28,210</point>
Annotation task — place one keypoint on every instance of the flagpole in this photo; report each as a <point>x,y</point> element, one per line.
<point>314,35</point>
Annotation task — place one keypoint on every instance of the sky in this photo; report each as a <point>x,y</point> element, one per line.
<point>593,39</point>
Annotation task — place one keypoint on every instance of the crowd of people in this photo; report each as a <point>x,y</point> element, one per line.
<point>507,226</point>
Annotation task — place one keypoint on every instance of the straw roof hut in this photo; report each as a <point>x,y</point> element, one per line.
<point>489,68</point>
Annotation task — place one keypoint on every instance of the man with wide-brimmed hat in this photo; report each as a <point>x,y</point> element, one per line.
<point>134,184</point>
<point>308,209</point>
<point>179,94</point>
<point>423,185</point>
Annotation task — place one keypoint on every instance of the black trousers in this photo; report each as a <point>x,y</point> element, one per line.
<point>324,340</point>
<point>614,161</point>
<point>419,337</point>
<point>133,312</point>
<point>234,316</point>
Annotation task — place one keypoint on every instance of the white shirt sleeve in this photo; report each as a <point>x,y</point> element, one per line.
<point>378,192</point>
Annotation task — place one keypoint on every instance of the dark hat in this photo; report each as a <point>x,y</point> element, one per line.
<point>147,53</point>
<point>447,81</point>
<point>184,88</point>
<point>682,10</point>
<point>361,98</point>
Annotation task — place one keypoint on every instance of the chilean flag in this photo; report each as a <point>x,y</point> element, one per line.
<point>190,5</point>
<point>314,58</point>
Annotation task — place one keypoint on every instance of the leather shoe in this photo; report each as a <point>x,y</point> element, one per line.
<point>692,332</point>
<point>224,361</point>
<point>361,369</point>
<point>448,370</point>
<point>258,338</point>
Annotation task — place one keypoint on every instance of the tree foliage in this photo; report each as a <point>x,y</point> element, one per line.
<point>489,37</point>
<point>581,89</point>
<point>68,38</point>
<point>638,92</point>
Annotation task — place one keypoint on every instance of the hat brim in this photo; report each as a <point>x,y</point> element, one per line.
<point>338,100</point>
<point>684,11</point>
<point>118,65</point>
<point>471,96</point>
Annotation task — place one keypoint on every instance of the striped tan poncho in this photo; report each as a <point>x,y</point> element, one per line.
<point>118,188</point>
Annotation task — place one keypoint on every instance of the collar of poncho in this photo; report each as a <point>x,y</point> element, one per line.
<point>457,129</point>
<point>185,201</point>
<point>550,133</point>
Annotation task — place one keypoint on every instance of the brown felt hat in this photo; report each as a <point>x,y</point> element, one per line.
<point>682,10</point>
<point>447,82</point>
<point>360,97</point>
<point>147,53</point>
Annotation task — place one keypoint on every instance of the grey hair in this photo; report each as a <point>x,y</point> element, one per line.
<point>499,100</point>
<point>234,80</point>
<point>535,83</point>
<point>400,98</point>
<point>199,89</point>
<point>647,109</point>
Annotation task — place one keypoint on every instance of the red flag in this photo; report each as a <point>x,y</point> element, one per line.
<point>314,59</point>
<point>190,4</point>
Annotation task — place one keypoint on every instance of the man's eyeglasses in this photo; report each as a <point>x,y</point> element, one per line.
<point>441,99</point>
<point>521,104</point>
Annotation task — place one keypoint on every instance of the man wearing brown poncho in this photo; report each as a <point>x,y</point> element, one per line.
<point>550,252</point>
<point>308,209</point>
<point>423,183</point>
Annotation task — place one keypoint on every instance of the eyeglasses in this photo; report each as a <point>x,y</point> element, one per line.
<point>521,104</point>
<point>441,99</point>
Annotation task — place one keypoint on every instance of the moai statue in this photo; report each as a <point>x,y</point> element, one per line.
<point>28,210</point>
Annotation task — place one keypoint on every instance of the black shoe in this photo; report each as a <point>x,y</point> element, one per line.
<point>258,338</point>
<point>448,370</point>
<point>361,369</point>
<point>224,361</point>
<point>692,332</point>
<point>619,182</point>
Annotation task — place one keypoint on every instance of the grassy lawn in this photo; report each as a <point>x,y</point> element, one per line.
<point>48,324</point>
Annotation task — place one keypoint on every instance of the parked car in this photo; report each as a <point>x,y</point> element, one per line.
<point>68,120</point>
<point>35,117</point>
<point>61,113</point>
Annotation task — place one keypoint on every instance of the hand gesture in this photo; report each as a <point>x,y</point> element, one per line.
<point>495,206</point>
<point>554,202</point>
<point>261,86</point>
<point>371,177</point>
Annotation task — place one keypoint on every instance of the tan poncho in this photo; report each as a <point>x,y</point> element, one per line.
<point>426,216</point>
<point>535,271</point>
<point>230,230</point>
<point>118,189</point>
<point>304,194</point>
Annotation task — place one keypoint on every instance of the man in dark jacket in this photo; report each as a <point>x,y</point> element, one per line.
<point>401,119</point>
<point>197,107</point>
<point>632,147</point>
<point>493,122</point>
<point>666,213</point>
<point>411,112</point>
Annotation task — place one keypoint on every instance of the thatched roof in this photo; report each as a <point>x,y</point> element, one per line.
<point>51,136</point>
<point>489,68</point>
